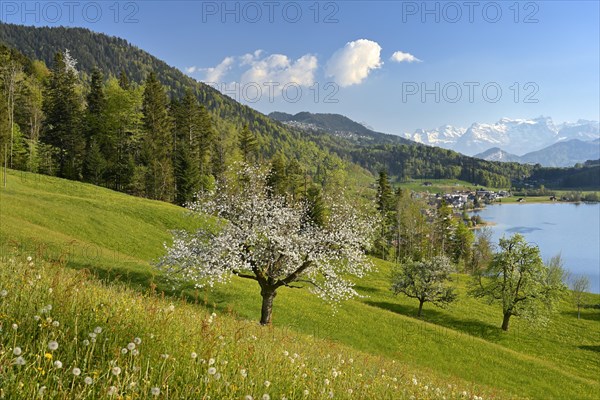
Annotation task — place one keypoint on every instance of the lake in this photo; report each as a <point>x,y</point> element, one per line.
<point>570,229</point>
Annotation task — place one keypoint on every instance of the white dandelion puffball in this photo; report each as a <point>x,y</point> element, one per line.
<point>116,371</point>
<point>88,380</point>
<point>76,371</point>
<point>52,345</point>
<point>155,391</point>
<point>58,364</point>
<point>212,371</point>
<point>17,351</point>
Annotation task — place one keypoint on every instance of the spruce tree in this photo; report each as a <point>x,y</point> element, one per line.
<point>63,110</point>
<point>157,144</point>
<point>248,145</point>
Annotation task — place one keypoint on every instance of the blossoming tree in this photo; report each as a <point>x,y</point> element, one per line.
<point>271,241</point>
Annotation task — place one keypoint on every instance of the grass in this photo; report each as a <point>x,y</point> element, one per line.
<point>438,185</point>
<point>456,346</point>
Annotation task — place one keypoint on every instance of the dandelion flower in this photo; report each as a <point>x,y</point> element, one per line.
<point>86,342</point>
<point>131,346</point>
<point>212,371</point>
<point>29,258</point>
<point>244,373</point>
<point>76,371</point>
<point>116,371</point>
<point>350,391</point>
<point>15,326</point>
<point>326,381</point>
<point>19,361</point>
<point>306,392</point>
<point>267,383</point>
<point>155,391</point>
<point>92,335</point>
<point>165,356</point>
<point>137,341</point>
<point>58,364</point>
<point>194,355</point>
<point>97,330</point>
<point>88,380</point>
<point>123,350</point>
<point>52,345</point>
<point>48,356</point>
<point>3,293</point>
<point>211,361</point>
<point>112,390</point>
<point>248,397</point>
<point>37,317</point>
<point>135,352</point>
<point>41,391</point>
<point>17,351</point>
<point>55,324</point>
<point>266,397</point>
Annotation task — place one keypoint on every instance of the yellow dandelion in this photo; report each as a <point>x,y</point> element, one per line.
<point>48,356</point>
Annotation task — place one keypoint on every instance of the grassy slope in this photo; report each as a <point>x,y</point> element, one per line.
<point>122,234</point>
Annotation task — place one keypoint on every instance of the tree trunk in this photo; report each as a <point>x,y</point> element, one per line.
<point>505,321</point>
<point>268,294</point>
<point>420,307</point>
<point>578,311</point>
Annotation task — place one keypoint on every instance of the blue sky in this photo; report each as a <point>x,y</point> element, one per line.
<point>542,56</point>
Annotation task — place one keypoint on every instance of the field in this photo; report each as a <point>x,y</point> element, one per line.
<point>117,237</point>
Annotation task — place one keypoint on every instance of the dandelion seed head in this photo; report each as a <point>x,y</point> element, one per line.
<point>155,391</point>
<point>58,364</point>
<point>212,371</point>
<point>52,345</point>
<point>55,324</point>
<point>17,351</point>
<point>19,361</point>
<point>137,341</point>
<point>98,330</point>
<point>15,326</point>
<point>267,383</point>
<point>88,380</point>
<point>194,355</point>
<point>86,342</point>
<point>3,293</point>
<point>123,350</point>
<point>116,371</point>
<point>131,346</point>
<point>135,352</point>
<point>211,361</point>
<point>112,390</point>
<point>76,371</point>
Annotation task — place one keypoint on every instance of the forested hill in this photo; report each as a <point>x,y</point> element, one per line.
<point>318,151</point>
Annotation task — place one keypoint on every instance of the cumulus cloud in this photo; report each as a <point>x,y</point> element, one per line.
<point>400,56</point>
<point>215,74</point>
<point>192,69</point>
<point>353,63</point>
<point>280,69</point>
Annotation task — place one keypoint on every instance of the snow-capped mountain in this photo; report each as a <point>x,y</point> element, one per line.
<point>515,136</point>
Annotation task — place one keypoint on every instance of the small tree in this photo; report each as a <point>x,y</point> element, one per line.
<point>426,281</point>
<point>580,286</point>
<point>518,279</point>
<point>268,240</point>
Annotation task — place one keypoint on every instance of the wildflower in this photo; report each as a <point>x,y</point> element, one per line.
<point>266,397</point>
<point>243,373</point>
<point>116,371</point>
<point>193,355</point>
<point>123,350</point>
<point>15,326</point>
<point>19,361</point>
<point>48,356</point>
<point>97,330</point>
<point>165,356</point>
<point>41,391</point>
<point>17,351</point>
<point>217,376</point>
<point>112,390</point>
<point>50,290</point>
<point>37,317</point>
<point>212,371</point>
<point>326,381</point>
<point>285,353</point>
<point>331,394</point>
<point>414,381</point>
<point>131,346</point>
<point>52,345</point>
<point>76,371</point>
<point>86,342</point>
<point>306,392</point>
<point>350,391</point>
<point>135,352</point>
<point>351,360</point>
<point>137,341</point>
<point>29,258</point>
<point>88,380</point>
<point>211,361</point>
<point>248,397</point>
<point>55,324</point>
<point>155,391</point>
<point>3,293</point>
<point>92,335</point>
<point>171,308</point>
<point>267,383</point>
<point>58,364</point>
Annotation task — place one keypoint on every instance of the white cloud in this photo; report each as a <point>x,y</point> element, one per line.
<point>400,56</point>
<point>247,59</point>
<point>354,62</point>
<point>280,69</point>
<point>215,74</point>
<point>192,69</point>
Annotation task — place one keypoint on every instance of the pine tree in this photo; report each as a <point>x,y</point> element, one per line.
<point>96,131</point>
<point>124,80</point>
<point>187,176</point>
<point>277,179</point>
<point>385,197</point>
<point>317,212</point>
<point>157,145</point>
<point>63,109</point>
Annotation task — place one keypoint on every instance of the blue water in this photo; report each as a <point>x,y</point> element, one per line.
<point>573,230</point>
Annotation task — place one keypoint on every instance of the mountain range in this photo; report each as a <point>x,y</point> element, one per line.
<point>516,137</point>
<point>569,143</point>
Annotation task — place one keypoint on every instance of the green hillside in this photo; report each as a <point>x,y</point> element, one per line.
<point>115,235</point>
